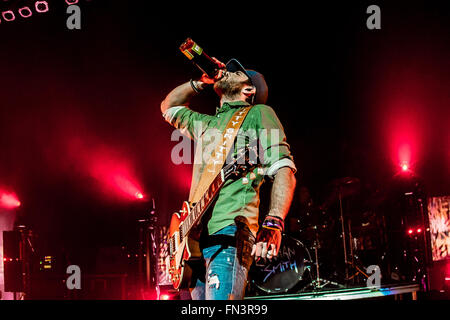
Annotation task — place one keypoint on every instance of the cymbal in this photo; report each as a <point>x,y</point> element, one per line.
<point>345,187</point>
<point>346,181</point>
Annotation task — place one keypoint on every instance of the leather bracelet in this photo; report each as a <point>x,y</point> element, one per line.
<point>194,87</point>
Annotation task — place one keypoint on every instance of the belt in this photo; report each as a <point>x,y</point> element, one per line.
<point>219,239</point>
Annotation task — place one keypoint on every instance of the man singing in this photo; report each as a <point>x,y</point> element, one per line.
<point>228,238</point>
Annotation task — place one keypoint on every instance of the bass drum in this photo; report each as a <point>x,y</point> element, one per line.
<point>290,270</point>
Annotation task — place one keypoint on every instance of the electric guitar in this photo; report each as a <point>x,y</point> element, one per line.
<point>184,249</point>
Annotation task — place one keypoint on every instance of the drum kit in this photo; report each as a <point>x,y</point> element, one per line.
<point>322,245</point>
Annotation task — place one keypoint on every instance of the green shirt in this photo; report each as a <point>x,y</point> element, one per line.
<point>262,126</point>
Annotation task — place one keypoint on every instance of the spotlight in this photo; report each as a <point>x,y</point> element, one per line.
<point>41,6</point>
<point>8,15</point>
<point>139,195</point>
<point>27,10</point>
<point>404,167</point>
<point>9,200</point>
<point>410,231</point>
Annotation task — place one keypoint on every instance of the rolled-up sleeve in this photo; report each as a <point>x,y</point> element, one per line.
<point>275,149</point>
<point>189,122</point>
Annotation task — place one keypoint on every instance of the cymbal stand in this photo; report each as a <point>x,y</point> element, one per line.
<point>352,263</point>
<point>344,242</point>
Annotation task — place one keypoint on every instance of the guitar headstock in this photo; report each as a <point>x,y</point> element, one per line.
<point>246,161</point>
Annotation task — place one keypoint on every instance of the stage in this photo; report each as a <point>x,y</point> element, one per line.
<point>349,293</point>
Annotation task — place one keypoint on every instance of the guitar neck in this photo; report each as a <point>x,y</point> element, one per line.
<point>202,205</point>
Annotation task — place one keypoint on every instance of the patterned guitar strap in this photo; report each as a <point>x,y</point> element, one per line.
<point>217,159</point>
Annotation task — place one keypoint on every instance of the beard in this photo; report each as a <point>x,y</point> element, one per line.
<point>230,88</point>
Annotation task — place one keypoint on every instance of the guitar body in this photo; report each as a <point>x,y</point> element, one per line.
<point>185,253</point>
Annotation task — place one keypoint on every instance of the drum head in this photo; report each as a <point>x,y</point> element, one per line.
<point>284,272</point>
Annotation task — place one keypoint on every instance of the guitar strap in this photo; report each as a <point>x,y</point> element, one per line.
<point>217,159</point>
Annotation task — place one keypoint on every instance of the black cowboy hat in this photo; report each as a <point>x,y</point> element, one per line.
<point>255,77</point>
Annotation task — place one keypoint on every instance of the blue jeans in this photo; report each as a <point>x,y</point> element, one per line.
<point>226,267</point>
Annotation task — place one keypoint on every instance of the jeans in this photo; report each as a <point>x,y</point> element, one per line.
<point>226,267</point>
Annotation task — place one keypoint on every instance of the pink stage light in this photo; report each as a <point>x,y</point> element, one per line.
<point>124,184</point>
<point>139,195</point>
<point>405,167</point>
<point>8,15</point>
<point>9,200</point>
<point>28,13</point>
<point>115,175</point>
<point>41,6</point>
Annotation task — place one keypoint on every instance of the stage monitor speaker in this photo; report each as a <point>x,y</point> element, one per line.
<point>13,264</point>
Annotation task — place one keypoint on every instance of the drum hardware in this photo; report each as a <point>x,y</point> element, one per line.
<point>319,283</point>
<point>345,187</point>
<point>290,269</point>
<point>352,263</point>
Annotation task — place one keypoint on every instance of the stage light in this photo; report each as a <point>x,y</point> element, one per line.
<point>410,231</point>
<point>165,297</point>
<point>41,6</point>
<point>139,195</point>
<point>9,200</point>
<point>8,15</point>
<point>404,167</point>
<point>28,10</point>
<point>419,230</point>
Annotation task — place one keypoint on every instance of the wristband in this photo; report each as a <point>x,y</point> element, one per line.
<point>194,87</point>
<point>273,223</point>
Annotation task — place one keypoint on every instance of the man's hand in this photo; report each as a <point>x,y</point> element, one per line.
<point>267,244</point>
<point>221,67</point>
<point>268,239</point>
<point>181,95</point>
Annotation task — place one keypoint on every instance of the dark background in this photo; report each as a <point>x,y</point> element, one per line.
<point>347,97</point>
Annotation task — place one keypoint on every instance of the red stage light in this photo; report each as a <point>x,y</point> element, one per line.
<point>28,11</point>
<point>410,231</point>
<point>9,200</point>
<point>139,195</point>
<point>115,175</point>
<point>41,6</point>
<point>405,167</point>
<point>8,15</point>
<point>419,230</point>
<point>165,297</point>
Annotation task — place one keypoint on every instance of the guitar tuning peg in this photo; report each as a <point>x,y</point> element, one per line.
<point>260,171</point>
<point>252,176</point>
<point>245,180</point>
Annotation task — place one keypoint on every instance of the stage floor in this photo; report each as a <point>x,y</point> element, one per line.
<point>347,293</point>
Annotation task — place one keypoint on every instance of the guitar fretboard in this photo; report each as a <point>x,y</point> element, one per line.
<point>203,204</point>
